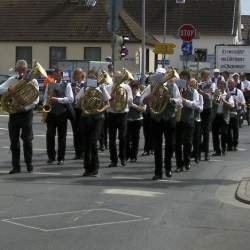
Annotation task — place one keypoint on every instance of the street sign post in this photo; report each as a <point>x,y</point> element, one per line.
<point>187,32</point>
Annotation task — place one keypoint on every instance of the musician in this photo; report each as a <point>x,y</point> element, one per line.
<point>91,125</point>
<point>61,96</point>
<point>76,85</point>
<point>206,89</point>
<point>239,84</point>
<point>197,124</point>
<point>163,124</point>
<point>20,121</point>
<point>216,76</point>
<point>185,127</point>
<point>222,103</point>
<point>246,92</point>
<point>118,121</point>
<point>239,100</point>
<point>135,119</point>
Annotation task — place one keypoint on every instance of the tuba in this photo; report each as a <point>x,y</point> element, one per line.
<point>104,78</point>
<point>25,91</point>
<point>119,94</point>
<point>160,94</point>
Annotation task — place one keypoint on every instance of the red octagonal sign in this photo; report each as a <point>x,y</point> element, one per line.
<point>187,32</point>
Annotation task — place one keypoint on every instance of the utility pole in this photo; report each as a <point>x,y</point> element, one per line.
<point>165,30</point>
<point>143,41</point>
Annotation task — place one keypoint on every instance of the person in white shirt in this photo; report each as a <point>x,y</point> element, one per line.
<point>222,103</point>
<point>20,122</point>
<point>117,120</point>
<point>91,123</point>
<point>239,100</point>
<point>163,124</point>
<point>246,92</point>
<point>58,95</point>
<point>185,127</point>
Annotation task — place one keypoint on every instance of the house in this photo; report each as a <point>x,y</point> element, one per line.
<point>49,31</point>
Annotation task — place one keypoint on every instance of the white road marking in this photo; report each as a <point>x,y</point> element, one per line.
<point>215,160</point>
<point>127,178</point>
<point>169,181</point>
<point>5,129</point>
<point>132,192</point>
<point>4,172</point>
<point>242,149</point>
<point>4,115</point>
<point>46,173</point>
<point>36,149</point>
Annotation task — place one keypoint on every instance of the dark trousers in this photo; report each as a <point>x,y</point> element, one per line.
<point>167,129</point>
<point>147,132</point>
<point>103,140</point>
<point>205,127</point>
<point>21,122</point>
<point>183,146</point>
<point>77,138</point>
<point>219,127</point>
<point>233,132</point>
<point>56,123</point>
<point>133,139</point>
<point>117,121</point>
<point>197,140</point>
<point>91,129</point>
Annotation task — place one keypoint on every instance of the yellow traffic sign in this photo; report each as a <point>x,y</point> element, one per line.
<point>164,48</point>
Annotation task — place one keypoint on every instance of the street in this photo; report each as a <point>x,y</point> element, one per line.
<point>56,208</point>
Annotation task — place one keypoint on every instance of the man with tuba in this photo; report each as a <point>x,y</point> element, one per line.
<point>58,95</point>
<point>21,120</point>
<point>121,99</point>
<point>185,127</point>
<point>93,101</point>
<point>162,98</point>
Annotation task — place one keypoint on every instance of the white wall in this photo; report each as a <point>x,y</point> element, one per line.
<point>74,51</point>
<point>206,42</point>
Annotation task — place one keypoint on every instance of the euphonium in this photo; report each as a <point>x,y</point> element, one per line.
<point>160,93</point>
<point>104,78</point>
<point>119,95</point>
<point>25,91</point>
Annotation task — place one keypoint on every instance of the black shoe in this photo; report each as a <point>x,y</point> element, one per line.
<point>169,174</point>
<point>50,161</point>
<point>178,170</point>
<point>86,174</point>
<point>30,168</point>
<point>77,157</point>
<point>235,148</point>
<point>196,160</point>
<point>188,167</point>
<point>157,177</point>
<point>112,165</point>
<point>15,171</point>
<point>207,158</point>
<point>133,160</point>
<point>94,174</point>
<point>102,149</point>
<point>123,163</point>
<point>60,163</point>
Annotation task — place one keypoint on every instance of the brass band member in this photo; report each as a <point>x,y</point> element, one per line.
<point>135,119</point>
<point>222,103</point>
<point>20,121</point>
<point>164,123</point>
<point>117,118</point>
<point>246,92</point>
<point>77,84</point>
<point>206,89</point>
<point>185,127</point>
<point>93,100</point>
<point>57,96</point>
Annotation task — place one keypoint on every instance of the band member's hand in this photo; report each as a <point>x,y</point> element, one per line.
<point>183,100</point>
<point>20,108</point>
<point>12,90</point>
<point>53,100</point>
<point>100,110</point>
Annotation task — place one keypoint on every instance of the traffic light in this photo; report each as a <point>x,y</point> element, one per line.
<point>121,40</point>
<point>200,55</point>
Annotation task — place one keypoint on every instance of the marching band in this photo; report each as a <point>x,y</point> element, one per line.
<point>172,106</point>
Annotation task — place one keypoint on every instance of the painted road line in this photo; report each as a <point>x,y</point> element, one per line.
<point>127,178</point>
<point>169,181</point>
<point>4,115</point>
<point>46,173</point>
<point>5,129</point>
<point>131,192</point>
<point>242,149</point>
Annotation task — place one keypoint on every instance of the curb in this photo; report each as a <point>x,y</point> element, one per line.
<point>242,193</point>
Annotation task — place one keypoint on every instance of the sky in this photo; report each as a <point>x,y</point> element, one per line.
<point>245,7</point>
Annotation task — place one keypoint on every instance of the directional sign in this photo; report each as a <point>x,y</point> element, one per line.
<point>187,32</point>
<point>164,48</point>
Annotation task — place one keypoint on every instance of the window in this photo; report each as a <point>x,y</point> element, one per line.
<point>24,53</point>
<point>92,53</point>
<point>56,54</point>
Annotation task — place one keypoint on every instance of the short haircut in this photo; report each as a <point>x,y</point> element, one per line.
<point>22,63</point>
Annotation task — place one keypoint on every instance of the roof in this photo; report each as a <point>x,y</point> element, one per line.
<point>59,20</point>
<point>245,20</point>
<point>210,17</point>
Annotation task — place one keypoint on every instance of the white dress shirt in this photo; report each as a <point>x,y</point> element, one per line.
<point>69,97</point>
<point>238,97</point>
<point>194,104</point>
<point>246,85</point>
<point>220,108</point>
<point>129,93</point>
<point>11,82</point>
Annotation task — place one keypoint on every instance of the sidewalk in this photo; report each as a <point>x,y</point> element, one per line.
<point>243,191</point>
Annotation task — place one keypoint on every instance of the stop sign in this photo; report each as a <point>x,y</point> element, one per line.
<point>187,32</point>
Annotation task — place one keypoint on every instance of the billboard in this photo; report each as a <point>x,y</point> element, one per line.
<point>233,58</point>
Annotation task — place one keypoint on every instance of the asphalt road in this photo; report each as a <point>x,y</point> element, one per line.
<point>55,208</point>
